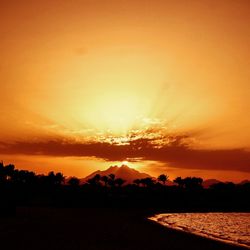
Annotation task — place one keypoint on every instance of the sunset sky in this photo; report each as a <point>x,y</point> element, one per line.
<point>164,85</point>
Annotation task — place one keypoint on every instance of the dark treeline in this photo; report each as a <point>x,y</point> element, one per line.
<point>25,188</point>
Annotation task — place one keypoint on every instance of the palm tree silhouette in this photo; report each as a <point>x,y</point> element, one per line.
<point>179,181</point>
<point>95,181</point>
<point>162,178</point>
<point>137,182</point>
<point>59,178</point>
<point>111,180</point>
<point>74,182</point>
<point>105,179</point>
<point>147,182</point>
<point>119,182</point>
<point>193,182</point>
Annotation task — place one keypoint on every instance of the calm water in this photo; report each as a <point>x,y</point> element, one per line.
<point>228,227</point>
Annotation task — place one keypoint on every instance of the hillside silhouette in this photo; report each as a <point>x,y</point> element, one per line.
<point>209,182</point>
<point>108,189</point>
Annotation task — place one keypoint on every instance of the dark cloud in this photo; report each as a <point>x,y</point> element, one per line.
<point>176,154</point>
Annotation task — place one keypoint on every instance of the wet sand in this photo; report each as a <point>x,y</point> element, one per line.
<point>91,229</point>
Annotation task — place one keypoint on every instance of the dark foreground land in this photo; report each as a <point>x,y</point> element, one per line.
<point>90,229</point>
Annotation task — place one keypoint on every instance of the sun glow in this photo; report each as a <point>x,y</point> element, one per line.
<point>120,105</point>
<point>125,163</point>
<point>113,82</point>
<point>118,113</point>
<point>120,73</point>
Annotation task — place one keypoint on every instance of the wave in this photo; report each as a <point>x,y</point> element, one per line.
<point>233,228</point>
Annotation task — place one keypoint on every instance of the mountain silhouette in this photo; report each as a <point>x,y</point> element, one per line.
<point>244,182</point>
<point>207,183</point>
<point>124,172</point>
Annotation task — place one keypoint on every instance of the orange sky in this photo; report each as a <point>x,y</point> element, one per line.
<point>86,84</point>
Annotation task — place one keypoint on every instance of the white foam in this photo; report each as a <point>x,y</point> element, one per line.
<point>232,228</point>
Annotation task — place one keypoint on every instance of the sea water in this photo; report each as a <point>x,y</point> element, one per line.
<point>228,227</point>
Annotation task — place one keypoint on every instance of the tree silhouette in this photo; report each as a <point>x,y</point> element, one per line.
<point>95,181</point>
<point>112,177</point>
<point>59,178</point>
<point>2,174</point>
<point>55,179</point>
<point>6,172</point>
<point>179,181</point>
<point>137,182</point>
<point>119,182</point>
<point>162,178</point>
<point>74,182</point>
<point>22,187</point>
<point>193,183</point>
<point>105,179</point>
<point>51,178</point>
<point>147,182</point>
<point>111,180</point>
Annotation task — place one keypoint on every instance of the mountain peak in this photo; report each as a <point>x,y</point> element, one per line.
<point>112,168</point>
<point>125,166</point>
<point>124,172</point>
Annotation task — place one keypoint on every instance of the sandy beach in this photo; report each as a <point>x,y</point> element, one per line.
<point>86,228</point>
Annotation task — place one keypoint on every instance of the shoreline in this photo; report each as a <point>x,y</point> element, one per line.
<point>96,229</point>
<point>228,242</point>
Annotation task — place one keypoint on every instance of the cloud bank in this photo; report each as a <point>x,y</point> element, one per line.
<point>176,153</point>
